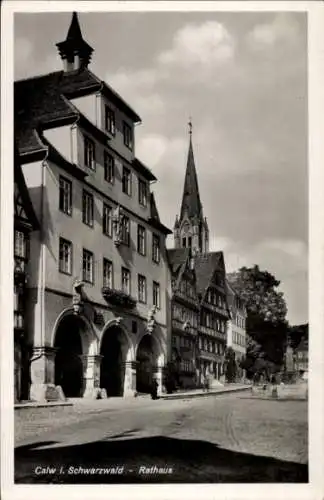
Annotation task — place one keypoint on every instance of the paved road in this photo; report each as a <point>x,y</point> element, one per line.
<point>230,438</point>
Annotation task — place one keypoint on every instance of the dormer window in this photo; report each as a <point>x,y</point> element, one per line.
<point>110,123</point>
<point>128,135</point>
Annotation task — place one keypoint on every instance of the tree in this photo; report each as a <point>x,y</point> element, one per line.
<point>266,322</point>
<point>230,365</point>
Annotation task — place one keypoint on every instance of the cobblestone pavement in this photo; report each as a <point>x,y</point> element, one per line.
<point>229,438</point>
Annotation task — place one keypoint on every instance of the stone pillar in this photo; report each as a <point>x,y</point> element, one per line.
<point>158,375</point>
<point>42,375</point>
<point>91,377</point>
<point>130,378</point>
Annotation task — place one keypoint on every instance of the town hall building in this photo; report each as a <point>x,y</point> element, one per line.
<point>99,275</point>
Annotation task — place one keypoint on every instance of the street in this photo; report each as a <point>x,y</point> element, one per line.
<point>228,438</point>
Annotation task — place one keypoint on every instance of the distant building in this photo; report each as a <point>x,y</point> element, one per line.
<point>185,318</point>
<point>301,356</point>
<point>99,285</point>
<point>25,222</point>
<point>236,326</point>
<point>191,241</point>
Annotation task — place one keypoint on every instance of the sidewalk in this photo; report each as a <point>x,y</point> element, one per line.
<point>196,393</point>
<point>116,402</point>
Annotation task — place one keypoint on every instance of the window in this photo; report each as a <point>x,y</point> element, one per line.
<point>141,240</point>
<point>107,273</point>
<point>125,231</point>
<point>126,182</point>
<point>156,248</point>
<point>20,244</point>
<point>89,153</point>
<point>87,208</point>
<point>107,220</point>
<point>142,193</point>
<point>142,288</point>
<point>184,242</point>
<point>128,135</point>
<point>109,165</point>
<point>156,294</point>
<point>65,256</point>
<point>87,266</point>
<point>65,197</point>
<point>110,124</point>
<point>125,280</point>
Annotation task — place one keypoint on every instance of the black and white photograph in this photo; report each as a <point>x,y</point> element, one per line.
<point>160,246</point>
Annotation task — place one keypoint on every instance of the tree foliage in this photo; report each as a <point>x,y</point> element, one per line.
<point>266,323</point>
<point>230,365</point>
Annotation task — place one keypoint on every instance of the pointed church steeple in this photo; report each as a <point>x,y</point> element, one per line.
<point>191,229</point>
<point>191,204</point>
<point>74,51</point>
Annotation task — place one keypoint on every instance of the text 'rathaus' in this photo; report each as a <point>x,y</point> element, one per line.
<point>102,307</point>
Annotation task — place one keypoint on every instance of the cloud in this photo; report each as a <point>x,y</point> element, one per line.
<point>203,44</point>
<point>283,29</point>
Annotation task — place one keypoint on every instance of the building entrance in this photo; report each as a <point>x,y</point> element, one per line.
<point>113,350</point>
<point>68,359</point>
<point>146,364</point>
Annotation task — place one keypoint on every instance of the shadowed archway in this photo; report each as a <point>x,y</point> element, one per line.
<point>146,364</point>
<point>114,352</point>
<point>68,358</point>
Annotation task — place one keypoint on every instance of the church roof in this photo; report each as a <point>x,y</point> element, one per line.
<point>191,203</point>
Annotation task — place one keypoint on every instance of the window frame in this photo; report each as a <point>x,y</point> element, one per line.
<point>142,300</point>
<point>109,167</point>
<point>88,253</point>
<point>156,287</point>
<point>89,153</point>
<point>66,182</point>
<point>129,180</point>
<point>111,120</point>
<point>105,210</point>
<point>128,135</point>
<point>128,273</point>
<point>141,240</point>
<point>142,192</point>
<point>156,237</point>
<point>87,195</point>
<point>69,243</point>
<point>110,263</point>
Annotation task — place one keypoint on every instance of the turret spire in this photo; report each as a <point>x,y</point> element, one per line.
<point>191,200</point>
<point>74,51</point>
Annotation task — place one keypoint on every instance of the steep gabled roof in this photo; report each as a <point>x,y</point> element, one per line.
<point>205,266</point>
<point>154,218</point>
<point>42,102</point>
<point>177,257</point>
<point>191,204</point>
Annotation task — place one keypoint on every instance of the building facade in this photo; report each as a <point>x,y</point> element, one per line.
<point>301,356</point>
<point>236,327</point>
<point>25,222</point>
<point>185,315</point>
<point>191,233</point>
<point>99,288</point>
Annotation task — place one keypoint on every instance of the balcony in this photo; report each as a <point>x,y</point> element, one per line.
<point>183,326</point>
<point>222,311</point>
<point>118,298</point>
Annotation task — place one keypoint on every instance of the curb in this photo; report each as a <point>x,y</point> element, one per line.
<point>50,404</point>
<point>183,395</point>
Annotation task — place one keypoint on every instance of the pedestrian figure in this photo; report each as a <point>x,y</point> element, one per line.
<point>154,389</point>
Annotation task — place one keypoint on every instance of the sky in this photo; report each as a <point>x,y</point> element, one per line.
<point>242,78</point>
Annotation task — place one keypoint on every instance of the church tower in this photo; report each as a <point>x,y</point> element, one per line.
<point>191,229</point>
<point>75,52</point>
